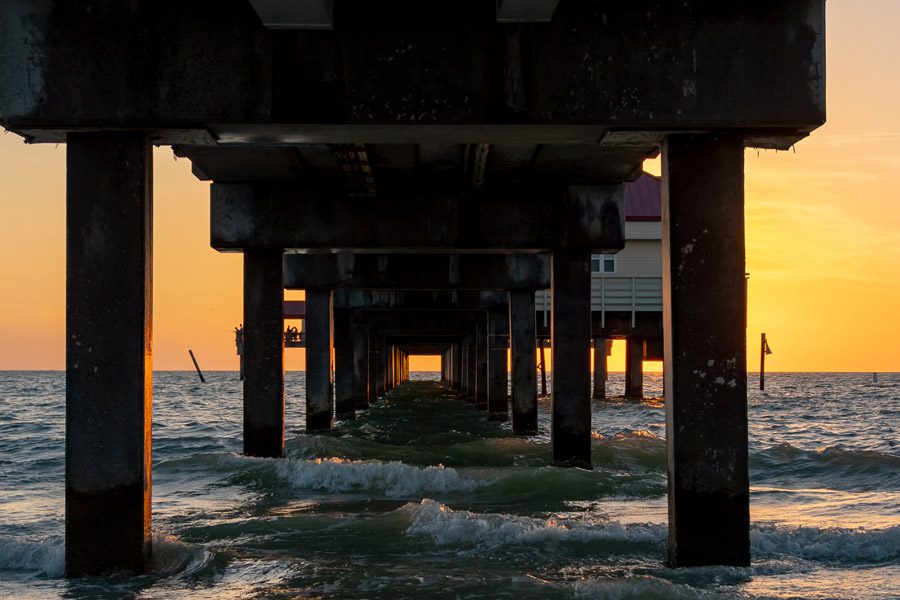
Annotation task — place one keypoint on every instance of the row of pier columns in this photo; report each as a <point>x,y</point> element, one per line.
<point>108,353</point>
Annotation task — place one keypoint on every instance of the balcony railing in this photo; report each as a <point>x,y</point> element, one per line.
<point>617,294</point>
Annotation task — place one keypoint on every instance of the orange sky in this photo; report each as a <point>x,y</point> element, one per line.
<point>823,234</point>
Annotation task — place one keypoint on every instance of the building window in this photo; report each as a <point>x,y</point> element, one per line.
<point>604,264</point>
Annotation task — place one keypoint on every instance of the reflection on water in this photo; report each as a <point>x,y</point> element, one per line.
<point>421,496</point>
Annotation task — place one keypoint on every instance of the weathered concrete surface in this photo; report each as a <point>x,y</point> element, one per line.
<point>518,218</point>
<point>600,370</point>
<point>705,350</point>
<point>344,399</point>
<point>634,367</point>
<point>361,381</point>
<point>481,363</point>
<point>473,272</point>
<point>570,398</point>
<point>319,384</point>
<point>522,350</point>
<point>433,302</point>
<point>498,378</point>
<point>695,65</point>
<point>108,352</point>
<point>263,354</point>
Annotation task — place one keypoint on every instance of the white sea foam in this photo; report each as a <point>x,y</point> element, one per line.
<point>636,588</point>
<point>828,544</point>
<point>46,558</point>
<point>172,556</point>
<point>387,479</point>
<point>445,526</point>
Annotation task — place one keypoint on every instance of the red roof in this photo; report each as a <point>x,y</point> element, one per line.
<point>643,199</point>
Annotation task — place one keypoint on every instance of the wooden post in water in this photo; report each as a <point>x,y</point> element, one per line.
<point>762,362</point>
<point>196,366</point>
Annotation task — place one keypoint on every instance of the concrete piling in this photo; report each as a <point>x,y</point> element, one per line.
<point>108,354</point>
<point>344,369</point>
<point>263,354</point>
<point>481,364</point>
<point>705,350</point>
<point>524,367</point>
<point>319,383</point>
<point>360,366</point>
<point>634,367</point>
<point>600,370</point>
<point>498,378</point>
<point>570,331</point>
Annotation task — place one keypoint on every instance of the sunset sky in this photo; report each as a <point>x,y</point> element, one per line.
<point>823,234</point>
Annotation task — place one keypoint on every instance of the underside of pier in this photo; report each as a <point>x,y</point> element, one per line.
<point>420,169</point>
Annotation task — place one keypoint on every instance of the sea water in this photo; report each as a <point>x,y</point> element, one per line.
<point>422,497</point>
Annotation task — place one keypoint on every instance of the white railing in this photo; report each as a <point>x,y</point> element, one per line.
<point>619,294</point>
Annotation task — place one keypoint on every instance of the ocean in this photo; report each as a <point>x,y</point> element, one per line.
<point>423,497</point>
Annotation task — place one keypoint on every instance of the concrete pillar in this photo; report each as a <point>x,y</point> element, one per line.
<point>470,366</point>
<point>372,394</point>
<point>344,400</point>
<point>319,384</point>
<point>522,344</point>
<point>360,365</point>
<point>570,397</point>
<point>481,369</point>
<point>704,307</point>
<point>456,361</point>
<point>600,371</point>
<point>263,353</point>
<point>378,345</point>
<point>634,367</point>
<point>498,378</point>
<point>108,368</point>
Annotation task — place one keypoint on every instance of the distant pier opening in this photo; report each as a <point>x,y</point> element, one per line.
<point>426,366</point>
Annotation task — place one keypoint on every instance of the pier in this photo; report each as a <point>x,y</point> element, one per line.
<point>437,177</point>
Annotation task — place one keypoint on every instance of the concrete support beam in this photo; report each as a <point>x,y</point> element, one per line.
<point>705,350</point>
<point>319,384</point>
<point>498,379</point>
<point>361,382</point>
<point>295,14</point>
<point>108,356</point>
<point>481,364</point>
<point>570,398</point>
<point>525,11</point>
<point>634,367</point>
<point>344,399</point>
<point>514,218</point>
<point>263,354</point>
<point>522,345</point>
<point>473,272</point>
<point>600,370</point>
<point>754,65</point>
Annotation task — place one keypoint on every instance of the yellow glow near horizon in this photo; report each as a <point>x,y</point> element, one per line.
<point>823,235</point>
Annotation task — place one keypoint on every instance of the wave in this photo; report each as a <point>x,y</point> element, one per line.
<point>47,558</point>
<point>831,545</point>
<point>389,479</point>
<point>446,527</point>
<point>837,465</point>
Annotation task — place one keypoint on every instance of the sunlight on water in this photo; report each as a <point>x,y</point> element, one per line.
<point>423,497</point>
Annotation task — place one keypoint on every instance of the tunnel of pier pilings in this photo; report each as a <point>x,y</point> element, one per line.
<point>495,133</point>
